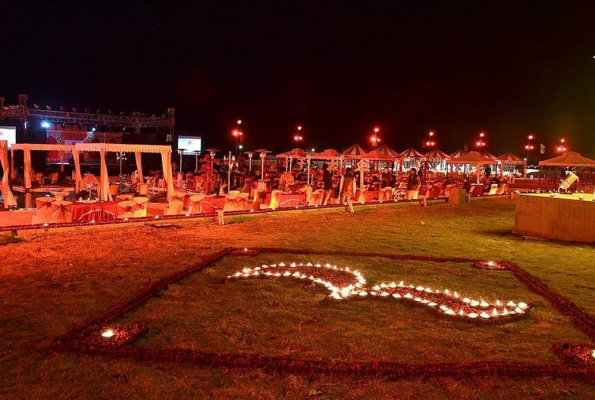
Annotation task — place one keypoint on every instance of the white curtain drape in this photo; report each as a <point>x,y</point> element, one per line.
<point>167,174</point>
<point>27,169</point>
<point>104,184</point>
<point>13,172</point>
<point>77,170</point>
<point>9,200</point>
<point>139,166</point>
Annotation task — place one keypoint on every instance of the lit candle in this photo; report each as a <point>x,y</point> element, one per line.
<point>107,334</point>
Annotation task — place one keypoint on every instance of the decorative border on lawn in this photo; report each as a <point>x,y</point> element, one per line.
<point>86,339</point>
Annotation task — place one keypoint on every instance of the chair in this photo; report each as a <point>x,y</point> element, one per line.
<point>124,197</point>
<point>235,201</point>
<point>178,195</point>
<point>39,178</point>
<point>195,203</point>
<point>176,207</point>
<point>61,211</point>
<point>44,211</point>
<point>126,209</point>
<point>113,189</point>
<point>142,203</point>
<point>142,189</point>
<point>275,199</point>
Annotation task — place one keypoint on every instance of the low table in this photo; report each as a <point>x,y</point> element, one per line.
<point>98,211</point>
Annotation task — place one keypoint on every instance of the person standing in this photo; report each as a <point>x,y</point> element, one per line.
<point>327,182</point>
<point>413,184</point>
<point>347,187</point>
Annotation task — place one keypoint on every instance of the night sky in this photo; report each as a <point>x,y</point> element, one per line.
<point>337,68</point>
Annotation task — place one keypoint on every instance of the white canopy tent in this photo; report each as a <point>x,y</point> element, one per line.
<point>473,158</point>
<point>137,149</point>
<point>26,148</point>
<point>7,196</point>
<point>102,148</point>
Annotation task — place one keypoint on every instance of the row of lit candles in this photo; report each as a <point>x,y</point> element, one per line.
<point>416,293</point>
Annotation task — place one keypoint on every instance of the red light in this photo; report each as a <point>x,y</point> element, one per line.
<point>482,134</point>
<point>299,128</point>
<point>239,121</point>
<point>530,137</point>
<point>427,143</point>
<point>478,144</point>
<point>431,133</point>
<point>526,147</point>
<point>235,133</point>
<point>376,129</point>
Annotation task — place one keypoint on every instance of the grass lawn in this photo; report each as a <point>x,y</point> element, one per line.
<point>50,283</point>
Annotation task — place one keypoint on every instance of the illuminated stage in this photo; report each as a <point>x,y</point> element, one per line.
<point>561,216</point>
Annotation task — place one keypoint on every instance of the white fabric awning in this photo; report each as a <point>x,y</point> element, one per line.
<point>42,147</point>
<point>118,147</point>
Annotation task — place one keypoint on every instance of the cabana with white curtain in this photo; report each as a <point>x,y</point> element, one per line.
<point>7,196</point>
<point>411,158</point>
<point>510,162</point>
<point>26,148</point>
<point>137,149</point>
<point>101,148</point>
<point>473,158</point>
<point>436,160</point>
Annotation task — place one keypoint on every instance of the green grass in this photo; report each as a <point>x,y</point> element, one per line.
<point>53,282</point>
<point>201,313</point>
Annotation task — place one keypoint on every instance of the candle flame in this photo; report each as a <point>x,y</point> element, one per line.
<point>108,334</point>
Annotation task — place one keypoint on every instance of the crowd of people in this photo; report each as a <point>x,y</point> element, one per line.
<point>340,184</point>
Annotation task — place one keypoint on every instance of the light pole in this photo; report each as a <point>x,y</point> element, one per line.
<point>181,151</point>
<point>196,155</point>
<point>481,143</point>
<point>430,143</point>
<point>375,139</point>
<point>120,156</point>
<point>250,155</point>
<point>529,147</point>
<point>237,134</point>
<point>561,148</point>
<point>298,136</point>
<point>230,161</point>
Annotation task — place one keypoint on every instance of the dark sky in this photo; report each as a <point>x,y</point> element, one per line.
<point>338,68</point>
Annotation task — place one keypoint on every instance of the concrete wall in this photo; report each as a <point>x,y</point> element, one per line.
<point>562,217</point>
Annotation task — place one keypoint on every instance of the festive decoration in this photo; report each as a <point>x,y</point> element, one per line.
<point>87,339</point>
<point>344,283</point>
